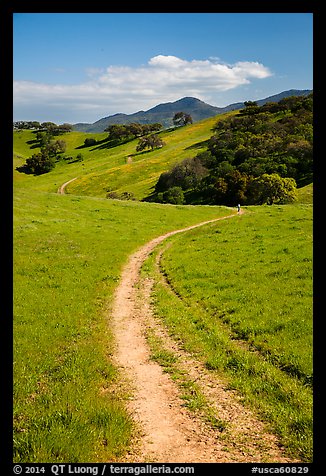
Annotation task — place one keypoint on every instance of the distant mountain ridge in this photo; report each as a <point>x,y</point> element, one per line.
<point>163,113</point>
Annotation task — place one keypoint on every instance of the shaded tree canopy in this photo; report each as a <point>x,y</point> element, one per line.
<point>152,141</point>
<point>44,126</point>
<point>182,119</point>
<point>259,155</point>
<point>271,188</point>
<point>173,195</point>
<point>186,174</point>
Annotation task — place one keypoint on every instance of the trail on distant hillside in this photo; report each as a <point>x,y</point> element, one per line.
<point>61,189</point>
<point>169,431</point>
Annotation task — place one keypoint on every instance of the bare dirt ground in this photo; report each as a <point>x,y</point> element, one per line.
<point>168,431</point>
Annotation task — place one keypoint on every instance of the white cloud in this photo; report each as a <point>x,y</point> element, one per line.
<point>128,89</point>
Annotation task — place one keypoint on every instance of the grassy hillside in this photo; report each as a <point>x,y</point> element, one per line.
<point>144,168</point>
<point>68,254</point>
<point>305,194</point>
<point>239,295</point>
<point>108,168</point>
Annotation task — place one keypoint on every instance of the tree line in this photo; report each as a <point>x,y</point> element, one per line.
<point>147,133</point>
<point>44,126</point>
<point>258,156</point>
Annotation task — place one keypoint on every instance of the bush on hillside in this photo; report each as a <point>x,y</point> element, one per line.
<point>186,174</point>
<point>89,141</point>
<point>40,163</point>
<point>173,195</point>
<point>270,189</point>
<point>152,141</point>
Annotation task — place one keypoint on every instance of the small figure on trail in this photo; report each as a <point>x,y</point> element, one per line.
<point>238,207</point>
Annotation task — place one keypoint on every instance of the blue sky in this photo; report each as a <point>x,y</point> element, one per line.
<point>79,67</point>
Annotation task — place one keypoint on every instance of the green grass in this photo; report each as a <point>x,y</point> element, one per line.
<point>68,254</point>
<point>240,298</point>
<point>25,146</point>
<point>105,168</point>
<point>305,194</point>
<point>140,176</point>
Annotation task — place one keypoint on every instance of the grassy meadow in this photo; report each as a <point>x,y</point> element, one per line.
<point>68,253</point>
<point>239,297</point>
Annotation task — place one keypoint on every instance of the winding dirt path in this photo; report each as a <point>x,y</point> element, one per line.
<point>169,432</point>
<point>61,189</point>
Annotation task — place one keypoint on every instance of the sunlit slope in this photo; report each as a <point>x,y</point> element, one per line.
<point>68,254</point>
<point>239,294</point>
<point>305,194</point>
<point>138,172</point>
<point>105,168</point>
<point>94,158</point>
<point>108,168</point>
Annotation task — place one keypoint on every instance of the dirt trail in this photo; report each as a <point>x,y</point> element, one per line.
<point>61,189</point>
<point>170,432</point>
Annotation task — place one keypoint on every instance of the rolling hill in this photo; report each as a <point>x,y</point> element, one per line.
<point>122,169</point>
<point>118,168</point>
<point>164,113</point>
<point>106,167</point>
<point>69,251</point>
